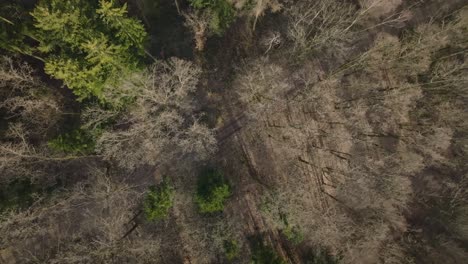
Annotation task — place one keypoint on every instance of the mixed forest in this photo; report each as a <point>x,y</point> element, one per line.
<point>234,131</point>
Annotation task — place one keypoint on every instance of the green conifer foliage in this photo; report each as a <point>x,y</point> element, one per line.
<point>89,44</point>
<point>13,28</point>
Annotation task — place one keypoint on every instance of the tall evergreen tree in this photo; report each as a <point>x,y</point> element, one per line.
<point>14,21</point>
<point>89,44</point>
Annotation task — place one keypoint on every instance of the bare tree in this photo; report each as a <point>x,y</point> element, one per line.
<point>270,40</point>
<point>347,147</point>
<point>329,23</point>
<point>161,126</point>
<point>85,224</point>
<point>317,23</point>
<point>199,23</point>
<point>260,7</point>
<point>262,87</point>
<point>25,96</point>
<point>30,110</point>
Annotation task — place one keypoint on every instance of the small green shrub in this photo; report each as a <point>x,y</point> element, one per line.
<point>222,13</point>
<point>231,249</point>
<point>158,201</point>
<point>76,142</point>
<point>293,234</point>
<point>212,191</point>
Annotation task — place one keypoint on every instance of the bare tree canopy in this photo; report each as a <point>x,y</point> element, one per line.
<point>161,126</point>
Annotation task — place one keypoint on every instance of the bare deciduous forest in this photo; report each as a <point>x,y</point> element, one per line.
<point>234,131</point>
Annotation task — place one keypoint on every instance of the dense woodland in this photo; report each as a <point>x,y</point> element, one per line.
<point>234,131</point>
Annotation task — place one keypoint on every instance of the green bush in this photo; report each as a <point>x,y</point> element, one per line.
<point>293,234</point>
<point>212,191</point>
<point>158,201</point>
<point>222,13</point>
<point>76,142</point>
<point>231,249</point>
